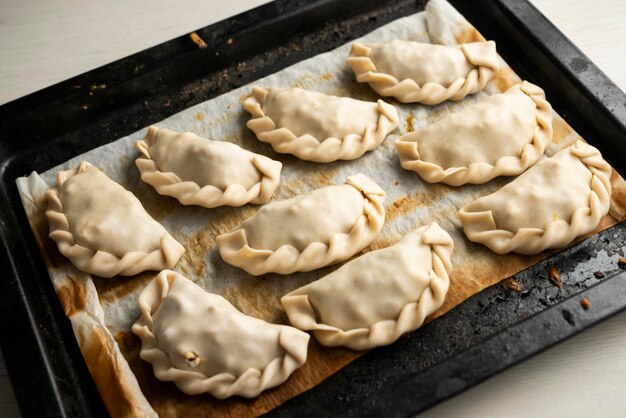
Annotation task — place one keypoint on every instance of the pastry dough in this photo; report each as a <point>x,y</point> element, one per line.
<point>374,299</point>
<point>317,127</point>
<point>501,136</point>
<point>425,73</point>
<point>198,171</point>
<point>309,231</point>
<point>199,341</point>
<point>103,228</point>
<point>555,201</point>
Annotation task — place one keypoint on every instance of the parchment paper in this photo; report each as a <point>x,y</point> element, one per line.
<point>102,310</point>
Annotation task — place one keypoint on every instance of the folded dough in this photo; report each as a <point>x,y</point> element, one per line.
<point>555,201</point>
<point>501,136</point>
<point>425,73</point>
<point>103,228</point>
<point>198,171</point>
<point>309,231</point>
<point>199,341</point>
<point>374,299</point>
<point>317,127</point>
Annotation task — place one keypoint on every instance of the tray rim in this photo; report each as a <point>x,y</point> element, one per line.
<point>526,11</point>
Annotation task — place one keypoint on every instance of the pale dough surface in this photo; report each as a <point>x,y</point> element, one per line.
<point>199,171</point>
<point>318,127</point>
<point>377,297</point>
<point>422,63</point>
<point>308,231</point>
<point>204,161</point>
<point>103,228</point>
<point>106,217</point>
<point>202,343</point>
<point>317,114</point>
<point>301,220</point>
<point>498,126</point>
<point>428,73</point>
<point>548,206</point>
<point>502,135</point>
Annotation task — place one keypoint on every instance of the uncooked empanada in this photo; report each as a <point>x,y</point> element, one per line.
<point>309,231</point>
<point>199,341</point>
<point>374,299</point>
<point>425,73</point>
<point>555,201</point>
<point>103,228</point>
<point>317,127</point>
<point>501,136</point>
<point>198,171</point>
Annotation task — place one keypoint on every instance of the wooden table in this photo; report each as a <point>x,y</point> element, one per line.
<point>46,41</point>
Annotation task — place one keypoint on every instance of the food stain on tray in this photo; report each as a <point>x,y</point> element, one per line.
<point>562,132</point>
<point>409,123</point>
<point>50,250</point>
<point>193,263</point>
<point>505,78</point>
<point>406,204</point>
<point>469,35</point>
<point>115,393</point>
<point>127,341</point>
<point>110,290</point>
<point>73,296</point>
<point>410,203</point>
<point>259,298</point>
<point>381,242</point>
<point>300,184</point>
<point>438,112</point>
<point>159,207</point>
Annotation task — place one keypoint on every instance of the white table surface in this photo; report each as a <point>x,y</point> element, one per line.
<point>46,41</point>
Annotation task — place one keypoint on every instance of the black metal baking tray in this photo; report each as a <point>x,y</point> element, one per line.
<point>487,333</point>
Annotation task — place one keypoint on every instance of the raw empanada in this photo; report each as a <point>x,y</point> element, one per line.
<point>199,341</point>
<point>555,201</point>
<point>103,228</point>
<point>425,73</point>
<point>317,127</point>
<point>198,171</point>
<point>501,136</point>
<point>374,299</point>
<point>309,231</point>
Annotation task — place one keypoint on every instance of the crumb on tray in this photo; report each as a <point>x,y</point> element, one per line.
<point>586,304</point>
<point>512,284</point>
<point>554,276</point>
<point>197,40</point>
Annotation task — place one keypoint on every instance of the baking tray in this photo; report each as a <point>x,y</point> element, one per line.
<point>488,332</point>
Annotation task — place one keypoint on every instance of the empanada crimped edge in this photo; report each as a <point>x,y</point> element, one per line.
<point>208,196</point>
<point>99,262</point>
<point>321,150</point>
<point>302,314</point>
<point>482,172</point>
<point>481,54</point>
<point>481,227</point>
<point>235,249</point>
<point>222,385</point>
